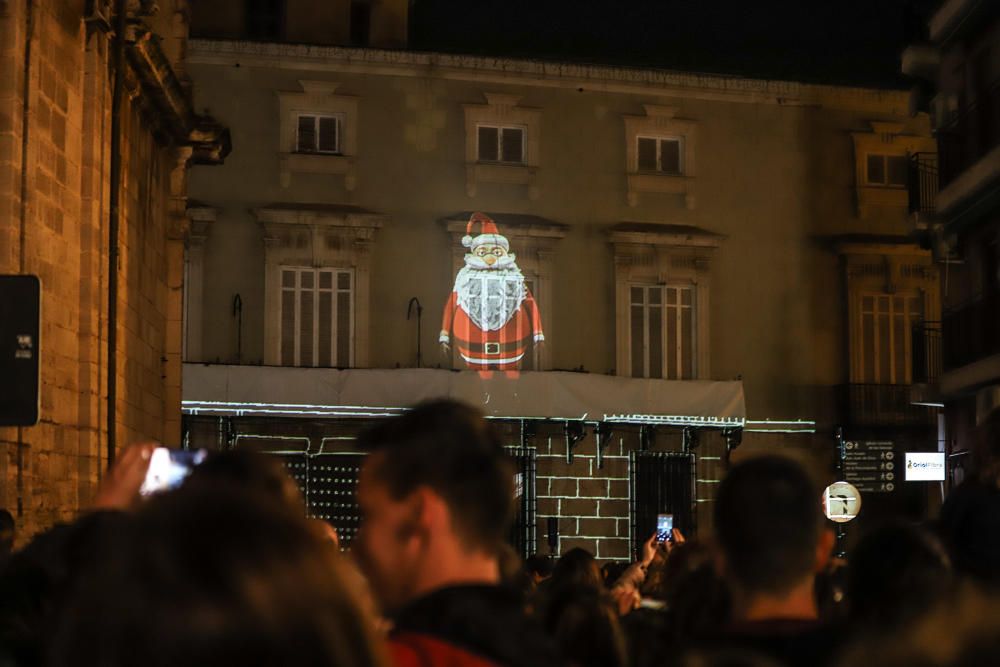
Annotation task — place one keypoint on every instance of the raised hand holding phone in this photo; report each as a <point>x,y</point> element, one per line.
<point>119,489</point>
<point>168,468</point>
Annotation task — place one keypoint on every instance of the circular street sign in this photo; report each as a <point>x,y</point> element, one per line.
<point>841,502</point>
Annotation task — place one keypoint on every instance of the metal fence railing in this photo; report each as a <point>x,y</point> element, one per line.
<point>926,348</point>
<point>328,479</point>
<point>969,133</point>
<point>922,182</point>
<point>883,405</point>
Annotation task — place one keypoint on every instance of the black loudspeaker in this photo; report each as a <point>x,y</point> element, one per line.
<point>20,322</point>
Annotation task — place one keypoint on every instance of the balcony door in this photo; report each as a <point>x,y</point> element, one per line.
<point>887,322</point>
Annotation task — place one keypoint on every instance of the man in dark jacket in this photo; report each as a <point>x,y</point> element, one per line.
<point>436,495</point>
<point>770,528</point>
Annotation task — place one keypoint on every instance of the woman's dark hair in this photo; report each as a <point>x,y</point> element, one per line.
<point>248,471</point>
<point>896,571</point>
<point>577,567</point>
<point>584,623</point>
<point>37,582</point>
<point>221,577</point>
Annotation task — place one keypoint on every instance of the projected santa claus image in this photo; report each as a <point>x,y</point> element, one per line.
<point>491,317</point>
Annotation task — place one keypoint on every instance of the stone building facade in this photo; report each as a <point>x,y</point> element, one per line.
<point>57,79</point>
<point>683,236</point>
<point>956,192</point>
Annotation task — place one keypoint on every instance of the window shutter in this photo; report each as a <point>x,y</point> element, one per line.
<point>646,154</point>
<point>307,296</point>
<point>688,334</point>
<point>288,318</point>
<point>655,332</point>
<point>670,156</point>
<point>325,319</point>
<point>876,169</point>
<point>344,322</point>
<point>488,144</point>
<point>513,144</point>
<point>306,134</point>
<point>328,139</point>
<point>637,333</point>
<point>897,169</point>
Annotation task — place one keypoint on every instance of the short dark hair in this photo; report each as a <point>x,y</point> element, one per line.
<point>249,471</point>
<point>768,519</point>
<point>897,571</point>
<point>449,447</point>
<point>223,576</point>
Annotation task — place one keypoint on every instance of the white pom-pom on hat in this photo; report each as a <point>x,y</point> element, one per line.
<point>466,241</point>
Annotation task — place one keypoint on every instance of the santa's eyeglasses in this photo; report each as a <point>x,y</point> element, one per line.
<point>498,251</point>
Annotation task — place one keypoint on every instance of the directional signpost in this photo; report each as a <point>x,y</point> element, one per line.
<point>863,466</point>
<point>870,465</point>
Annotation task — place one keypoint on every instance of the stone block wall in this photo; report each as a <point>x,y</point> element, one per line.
<point>591,502</point>
<point>59,232</point>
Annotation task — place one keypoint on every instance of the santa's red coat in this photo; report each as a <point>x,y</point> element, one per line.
<point>502,349</point>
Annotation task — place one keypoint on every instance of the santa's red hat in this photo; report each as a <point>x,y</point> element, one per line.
<point>488,234</point>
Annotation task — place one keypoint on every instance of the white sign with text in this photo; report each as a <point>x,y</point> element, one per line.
<point>925,467</point>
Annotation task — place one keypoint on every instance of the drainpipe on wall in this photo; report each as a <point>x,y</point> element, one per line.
<point>22,233</point>
<point>113,224</point>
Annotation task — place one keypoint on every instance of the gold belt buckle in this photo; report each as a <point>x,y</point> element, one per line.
<point>492,348</point>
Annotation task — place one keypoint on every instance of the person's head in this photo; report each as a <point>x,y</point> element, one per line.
<point>896,571</point>
<point>248,471</point>
<point>769,527</point>
<point>577,567</point>
<point>7,534</point>
<point>436,498</point>
<point>584,624</point>
<point>961,630</point>
<point>685,558</point>
<point>221,576</point>
<point>699,603</point>
<point>37,580</point>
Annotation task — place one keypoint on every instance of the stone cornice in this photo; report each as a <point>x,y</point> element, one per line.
<point>162,90</point>
<point>648,82</point>
<point>296,216</point>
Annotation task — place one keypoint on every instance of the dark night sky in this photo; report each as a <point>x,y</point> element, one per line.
<point>834,41</point>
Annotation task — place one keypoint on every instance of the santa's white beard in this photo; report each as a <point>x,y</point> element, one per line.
<point>490,296</point>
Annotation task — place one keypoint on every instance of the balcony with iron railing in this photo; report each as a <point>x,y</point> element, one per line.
<point>926,351</point>
<point>969,133</point>
<point>926,364</point>
<point>971,332</point>
<point>922,187</point>
<point>883,405</point>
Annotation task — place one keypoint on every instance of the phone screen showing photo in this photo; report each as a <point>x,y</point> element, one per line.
<point>664,527</point>
<point>168,468</point>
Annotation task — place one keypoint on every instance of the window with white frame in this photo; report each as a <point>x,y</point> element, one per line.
<point>317,317</point>
<point>887,322</point>
<point>501,143</point>
<point>662,155</point>
<point>663,331</point>
<point>318,133</point>
<point>886,170</point>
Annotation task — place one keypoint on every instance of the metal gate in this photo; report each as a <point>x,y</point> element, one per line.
<point>328,482</point>
<point>662,482</point>
<point>523,535</point>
